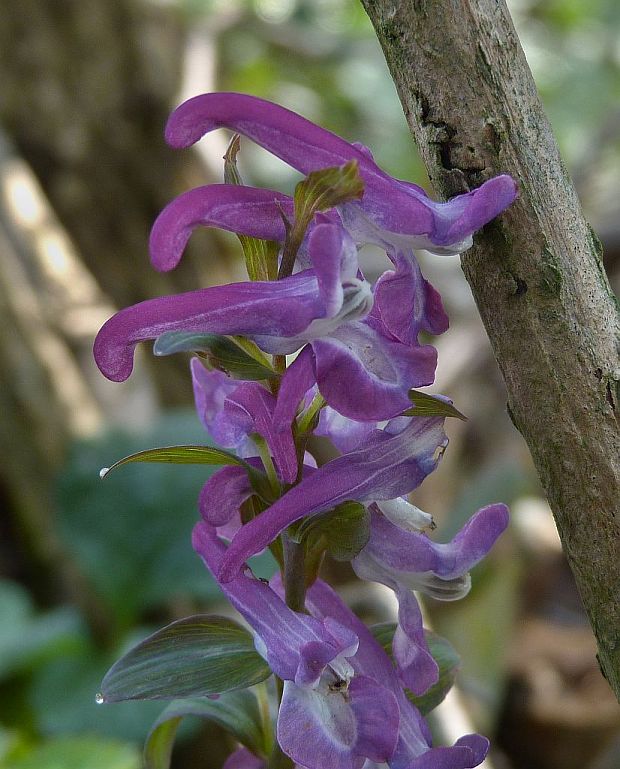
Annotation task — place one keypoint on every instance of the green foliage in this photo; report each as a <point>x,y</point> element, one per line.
<point>237,712</point>
<point>343,531</point>
<point>129,534</point>
<point>28,640</point>
<point>425,405</point>
<point>78,753</point>
<point>195,656</point>
<point>221,352</point>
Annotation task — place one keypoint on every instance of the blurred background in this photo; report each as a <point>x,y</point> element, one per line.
<point>88,568</point>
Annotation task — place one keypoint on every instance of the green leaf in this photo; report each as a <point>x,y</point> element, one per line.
<point>28,640</point>
<point>79,752</point>
<point>127,521</point>
<point>319,191</point>
<point>426,405</point>
<point>446,658</point>
<point>326,188</point>
<point>192,657</point>
<point>179,455</point>
<point>237,712</point>
<point>261,256</point>
<point>343,531</point>
<point>222,353</point>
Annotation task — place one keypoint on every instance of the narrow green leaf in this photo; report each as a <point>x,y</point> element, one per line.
<point>179,455</point>
<point>231,172</point>
<point>253,350</point>
<point>192,657</point>
<point>446,658</point>
<point>343,531</point>
<point>426,405</point>
<point>237,712</point>
<point>261,256</point>
<point>222,353</point>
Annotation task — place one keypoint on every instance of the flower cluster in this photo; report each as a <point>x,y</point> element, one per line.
<point>308,347</point>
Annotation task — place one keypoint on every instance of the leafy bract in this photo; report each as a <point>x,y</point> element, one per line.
<point>237,712</point>
<point>221,352</point>
<point>261,256</point>
<point>425,405</point>
<point>319,191</point>
<point>193,657</point>
<point>343,531</point>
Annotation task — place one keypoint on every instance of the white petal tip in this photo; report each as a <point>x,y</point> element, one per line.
<point>103,472</point>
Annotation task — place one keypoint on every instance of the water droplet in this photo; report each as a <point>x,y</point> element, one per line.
<point>99,698</point>
<point>103,472</point>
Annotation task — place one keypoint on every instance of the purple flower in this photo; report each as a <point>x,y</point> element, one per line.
<point>413,747</point>
<point>391,213</point>
<point>279,315</point>
<point>399,555</point>
<point>233,412</point>
<point>410,303</point>
<point>392,462</point>
<point>329,716</point>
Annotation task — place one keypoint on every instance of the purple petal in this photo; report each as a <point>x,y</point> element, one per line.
<point>467,752</point>
<point>416,666</point>
<point>243,759</point>
<point>282,308</point>
<point>391,212</point>
<point>346,434</point>
<point>403,552</point>
<point>251,407</point>
<point>377,715</point>
<point>334,257</point>
<point>281,634</point>
<point>211,388</point>
<point>295,383</point>
<point>326,728</point>
<point>406,302</point>
<point>372,661</point>
<point>366,376</point>
<point>244,210</point>
<point>300,143</point>
<point>387,466</point>
<point>223,494</point>
<point>413,220</point>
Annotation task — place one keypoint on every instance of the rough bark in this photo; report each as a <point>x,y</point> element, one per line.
<point>536,273</point>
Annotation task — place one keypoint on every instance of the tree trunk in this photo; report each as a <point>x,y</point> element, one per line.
<point>87,87</point>
<point>536,272</point>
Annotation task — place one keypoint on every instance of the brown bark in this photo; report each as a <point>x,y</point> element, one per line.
<point>536,272</point>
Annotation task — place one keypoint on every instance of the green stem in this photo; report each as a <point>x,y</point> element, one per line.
<point>304,422</point>
<point>278,759</point>
<point>265,455</point>
<point>294,575</point>
<point>262,696</point>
